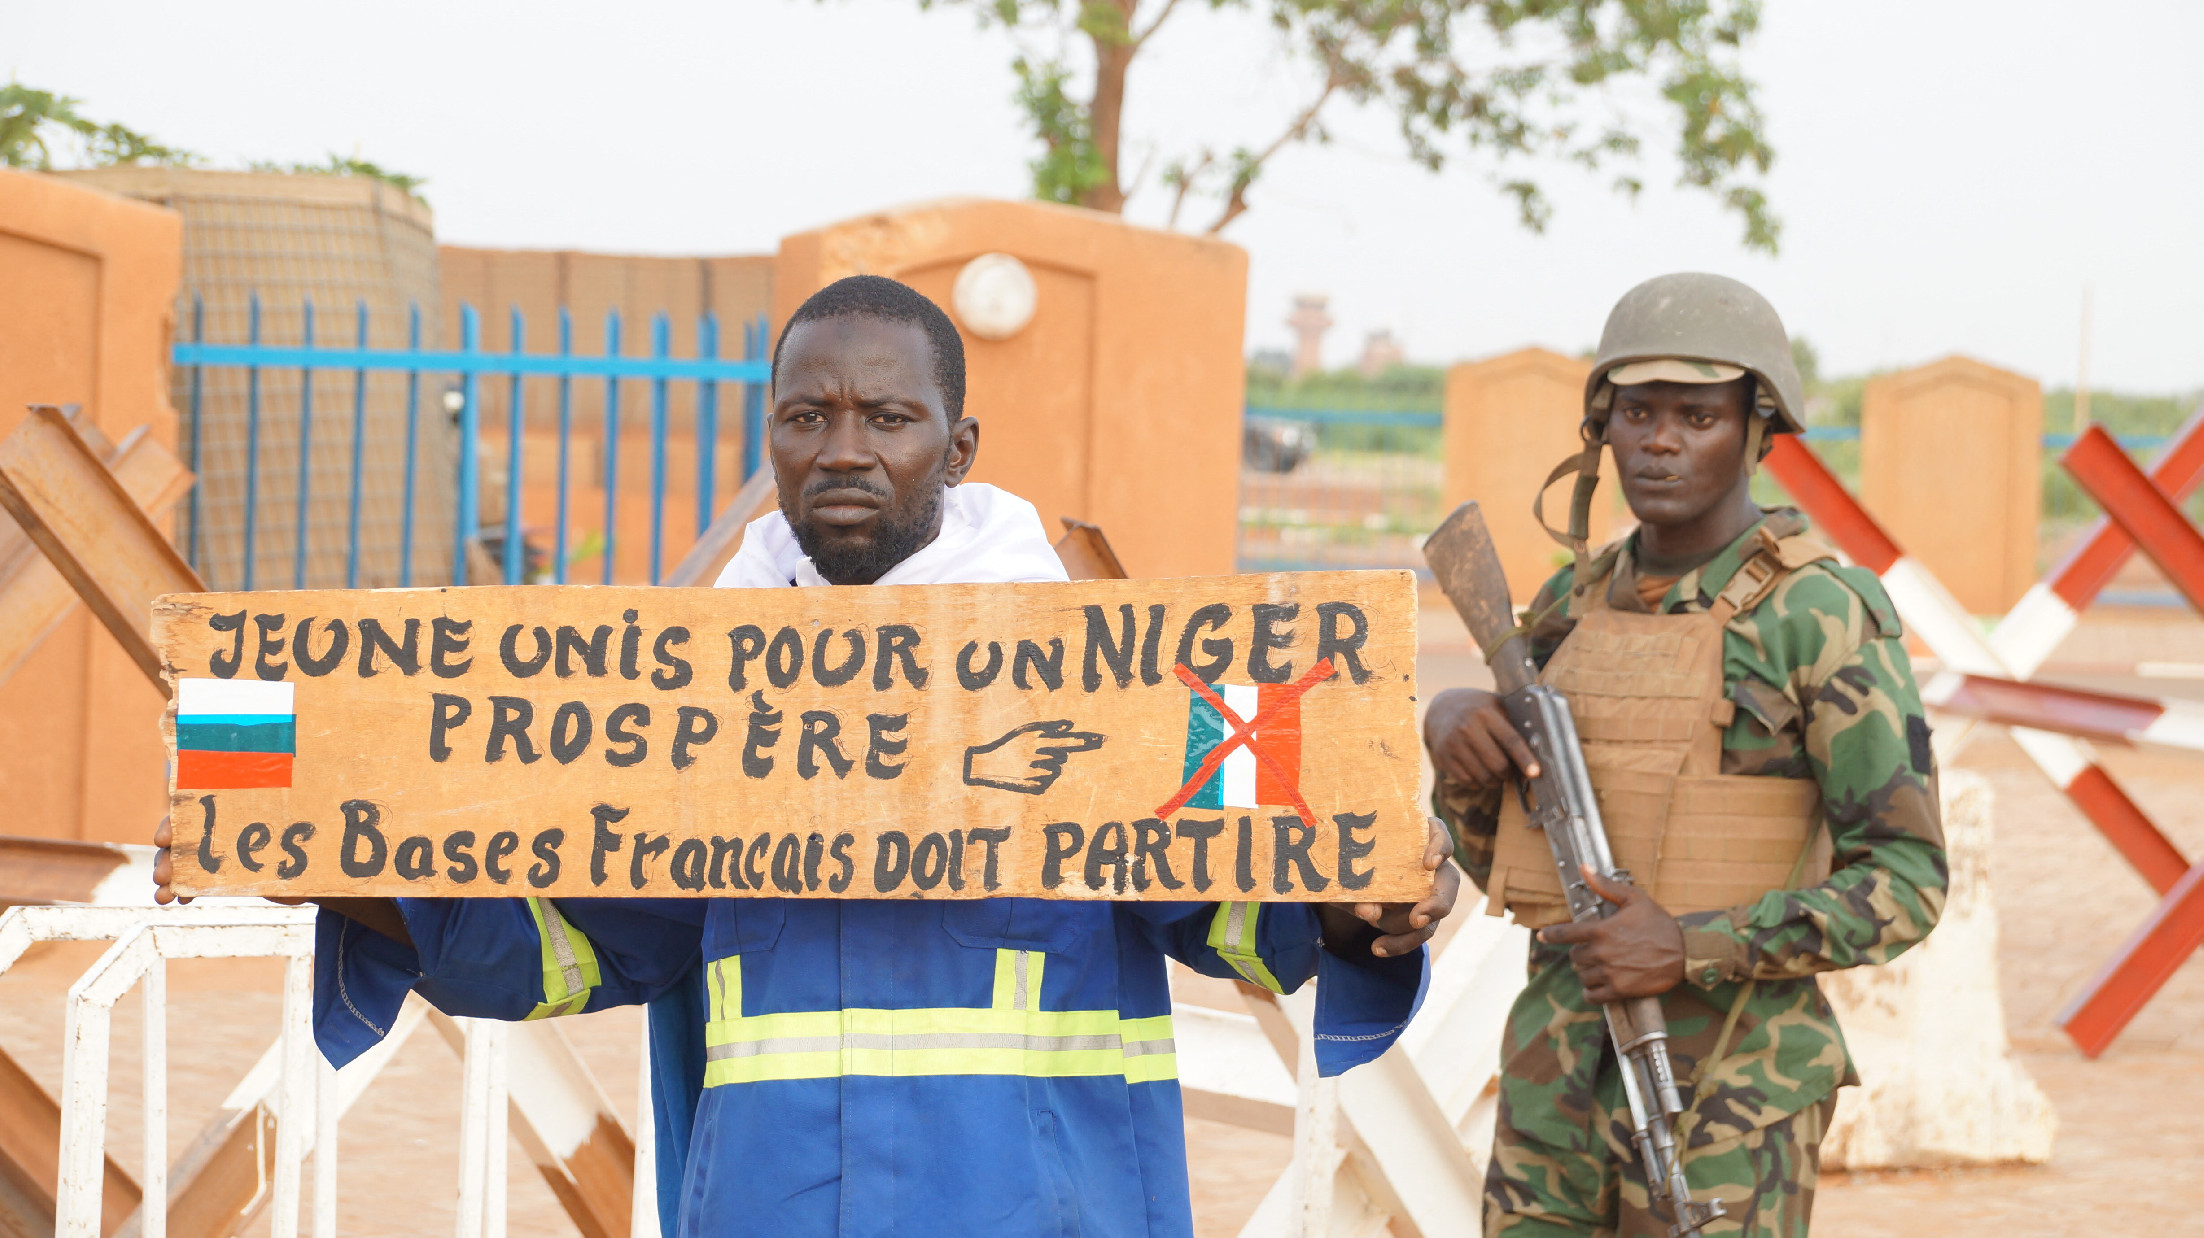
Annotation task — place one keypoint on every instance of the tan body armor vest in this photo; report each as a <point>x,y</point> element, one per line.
<point>1651,705</point>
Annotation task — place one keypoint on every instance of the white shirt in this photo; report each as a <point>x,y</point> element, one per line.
<point>988,535</point>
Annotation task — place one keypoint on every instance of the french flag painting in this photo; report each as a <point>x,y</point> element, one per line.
<point>1241,780</point>
<point>233,734</point>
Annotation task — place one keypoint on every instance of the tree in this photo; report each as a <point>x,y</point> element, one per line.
<point>28,117</point>
<point>30,120</point>
<point>1500,79</point>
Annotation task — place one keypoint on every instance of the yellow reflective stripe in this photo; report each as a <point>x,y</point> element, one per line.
<point>1151,1053</point>
<point>1233,935</point>
<point>723,988</point>
<point>938,1041</point>
<point>570,971</point>
<point>1010,1036</point>
<point>1018,979</point>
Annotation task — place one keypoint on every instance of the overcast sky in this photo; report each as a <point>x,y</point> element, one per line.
<point>1950,175</point>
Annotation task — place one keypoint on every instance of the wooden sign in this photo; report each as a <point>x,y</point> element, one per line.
<point>1209,738</point>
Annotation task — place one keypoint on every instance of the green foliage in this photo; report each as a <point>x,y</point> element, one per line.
<point>2122,415</point>
<point>1808,360</point>
<point>342,165</point>
<point>1401,389</point>
<point>31,120</point>
<point>1068,166</point>
<point>2119,413</point>
<point>1836,401</point>
<point>1497,81</point>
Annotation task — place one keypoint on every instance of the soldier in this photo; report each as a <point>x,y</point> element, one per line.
<point>1757,744</point>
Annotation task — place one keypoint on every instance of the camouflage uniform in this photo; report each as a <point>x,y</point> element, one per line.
<point>1823,690</point>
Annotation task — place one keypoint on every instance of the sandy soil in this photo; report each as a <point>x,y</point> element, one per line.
<point>2130,1153</point>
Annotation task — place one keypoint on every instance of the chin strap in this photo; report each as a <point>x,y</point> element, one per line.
<point>1756,433</point>
<point>1585,464</point>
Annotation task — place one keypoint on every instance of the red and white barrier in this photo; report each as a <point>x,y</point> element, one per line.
<point>1930,612</point>
<point>2102,717</point>
<point>2047,613</point>
<point>1983,678</point>
<point>2175,929</point>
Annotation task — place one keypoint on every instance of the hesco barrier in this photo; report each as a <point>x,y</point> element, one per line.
<point>363,255</point>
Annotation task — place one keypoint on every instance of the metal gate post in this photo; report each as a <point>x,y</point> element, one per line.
<point>153,1178</point>
<point>643,1212</point>
<point>77,1196</point>
<point>294,1113</point>
<point>1316,1151</point>
<point>328,1107</point>
<point>482,1130</point>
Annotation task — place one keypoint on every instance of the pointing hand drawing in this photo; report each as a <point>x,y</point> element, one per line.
<point>1029,759</point>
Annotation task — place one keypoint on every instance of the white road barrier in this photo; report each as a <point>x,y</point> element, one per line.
<point>561,1117</point>
<point>1398,1143</point>
<point>1940,1084</point>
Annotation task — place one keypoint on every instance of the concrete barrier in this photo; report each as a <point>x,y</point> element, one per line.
<point>1940,1083</point>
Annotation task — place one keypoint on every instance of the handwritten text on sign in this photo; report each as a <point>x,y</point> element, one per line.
<point>1226,737</point>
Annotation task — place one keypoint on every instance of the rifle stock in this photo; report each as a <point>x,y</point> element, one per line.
<point>1467,564</point>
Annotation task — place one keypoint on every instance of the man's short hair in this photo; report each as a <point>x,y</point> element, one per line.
<point>876,296</point>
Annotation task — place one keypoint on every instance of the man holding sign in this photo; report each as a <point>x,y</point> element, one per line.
<point>874,1064</point>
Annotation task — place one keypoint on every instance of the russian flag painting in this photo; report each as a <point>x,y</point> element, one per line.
<point>233,734</point>
<point>1241,780</point>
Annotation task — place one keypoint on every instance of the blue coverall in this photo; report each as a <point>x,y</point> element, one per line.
<point>881,1067</point>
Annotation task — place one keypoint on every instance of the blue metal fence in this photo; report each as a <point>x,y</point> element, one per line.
<point>1320,487</point>
<point>470,364</point>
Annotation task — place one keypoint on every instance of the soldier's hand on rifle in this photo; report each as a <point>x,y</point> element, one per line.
<point>1402,926</point>
<point>1471,740</point>
<point>1636,952</point>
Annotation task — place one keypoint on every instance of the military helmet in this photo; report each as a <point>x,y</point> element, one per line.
<point>1712,320</point>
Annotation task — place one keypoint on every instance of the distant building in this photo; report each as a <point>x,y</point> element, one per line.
<point>1309,322</point>
<point>1380,352</point>
<point>1270,361</point>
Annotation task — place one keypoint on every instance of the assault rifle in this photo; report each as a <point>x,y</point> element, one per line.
<point>1559,802</point>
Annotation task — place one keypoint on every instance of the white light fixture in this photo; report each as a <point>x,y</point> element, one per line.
<point>994,296</point>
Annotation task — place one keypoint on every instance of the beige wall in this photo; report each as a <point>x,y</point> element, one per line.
<point>1949,455</point>
<point>1120,402</point>
<point>1509,420</point>
<point>89,279</point>
<point>737,289</point>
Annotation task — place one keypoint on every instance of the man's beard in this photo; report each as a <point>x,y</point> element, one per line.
<point>892,541</point>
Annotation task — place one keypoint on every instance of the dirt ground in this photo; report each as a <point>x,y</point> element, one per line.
<point>2129,1158</point>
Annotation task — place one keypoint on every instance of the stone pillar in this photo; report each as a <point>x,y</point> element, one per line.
<point>1927,1031</point>
<point>1949,457</point>
<point>90,277</point>
<point>1509,420</point>
<point>1114,397</point>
